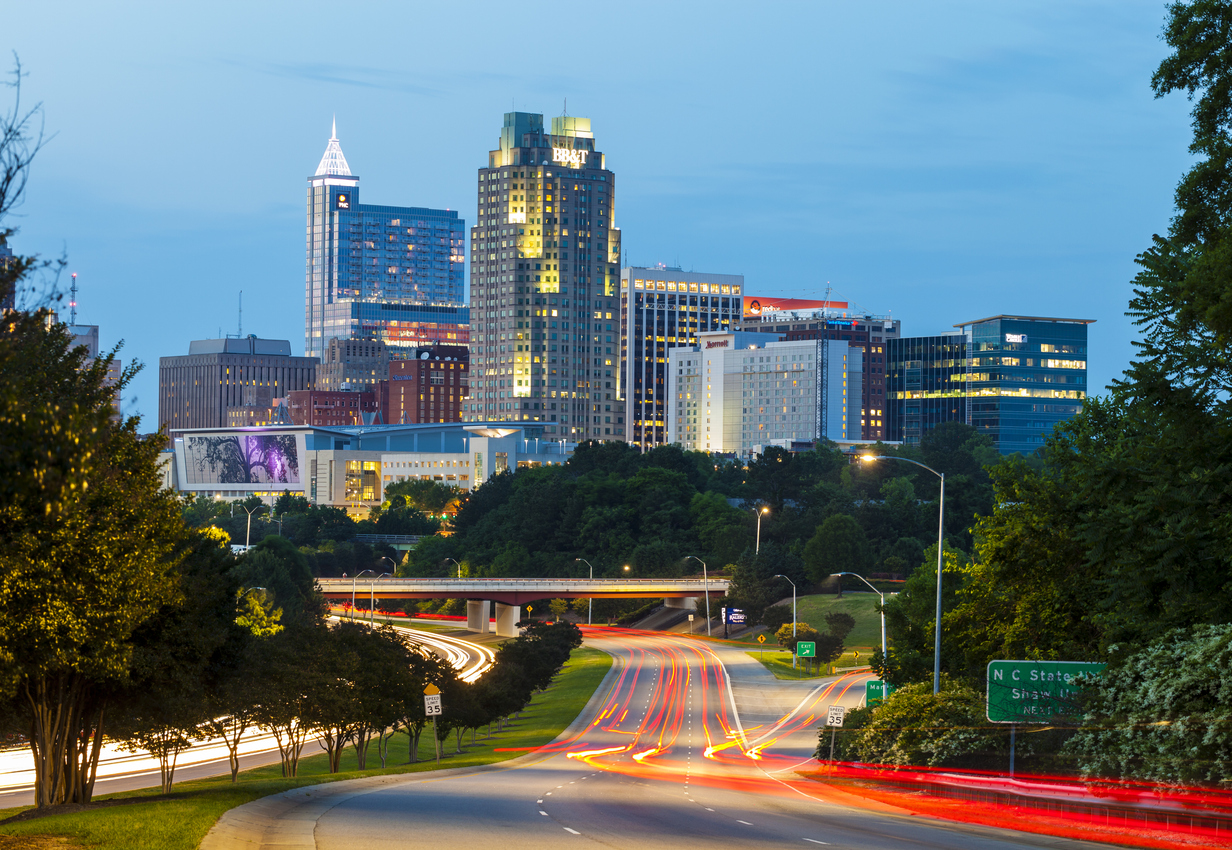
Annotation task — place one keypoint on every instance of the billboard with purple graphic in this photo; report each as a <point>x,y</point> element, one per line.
<point>242,458</point>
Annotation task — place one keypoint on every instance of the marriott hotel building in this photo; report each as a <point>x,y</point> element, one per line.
<point>545,314</point>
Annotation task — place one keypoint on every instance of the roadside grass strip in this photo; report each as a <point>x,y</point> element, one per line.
<point>147,820</point>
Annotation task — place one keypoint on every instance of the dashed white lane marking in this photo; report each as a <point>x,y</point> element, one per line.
<point>815,841</point>
<point>542,812</point>
<point>745,822</point>
<point>549,794</point>
<point>538,801</point>
<point>711,810</point>
<point>574,831</point>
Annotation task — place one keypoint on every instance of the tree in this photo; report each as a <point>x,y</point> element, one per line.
<point>839,545</point>
<point>910,617</point>
<point>840,624</point>
<point>276,565</point>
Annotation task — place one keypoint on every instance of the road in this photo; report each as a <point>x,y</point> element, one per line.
<point>664,760</point>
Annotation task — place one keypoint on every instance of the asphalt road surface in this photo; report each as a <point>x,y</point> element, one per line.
<point>662,762</point>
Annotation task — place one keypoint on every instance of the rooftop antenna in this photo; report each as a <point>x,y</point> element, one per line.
<point>72,304</point>
<point>240,334</point>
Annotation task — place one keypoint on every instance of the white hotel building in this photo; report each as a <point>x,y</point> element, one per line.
<point>735,393</point>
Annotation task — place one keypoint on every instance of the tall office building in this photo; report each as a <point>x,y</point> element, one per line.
<point>353,365</point>
<point>544,283</point>
<point>8,289</point>
<point>375,272</point>
<point>662,309</point>
<point>803,320</point>
<point>195,390</point>
<point>1013,378</point>
<point>737,394</point>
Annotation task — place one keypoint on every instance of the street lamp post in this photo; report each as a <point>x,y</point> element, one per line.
<point>353,578</point>
<point>764,510</point>
<point>793,615</point>
<point>456,564</point>
<point>884,657</point>
<point>590,608</point>
<point>706,586</point>
<point>940,560</point>
<point>248,535</point>
<point>372,601</point>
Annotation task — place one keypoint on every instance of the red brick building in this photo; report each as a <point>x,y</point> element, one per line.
<point>428,387</point>
<point>324,407</point>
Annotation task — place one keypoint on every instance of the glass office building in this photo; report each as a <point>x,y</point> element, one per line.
<point>394,274</point>
<point>926,384</point>
<point>1013,378</point>
<point>1025,374</point>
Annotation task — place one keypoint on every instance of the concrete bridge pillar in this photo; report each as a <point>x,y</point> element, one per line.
<point>687,603</point>
<point>507,617</point>
<point>478,615</point>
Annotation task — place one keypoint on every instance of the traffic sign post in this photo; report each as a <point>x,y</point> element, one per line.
<point>876,691</point>
<point>834,719</point>
<point>432,708</point>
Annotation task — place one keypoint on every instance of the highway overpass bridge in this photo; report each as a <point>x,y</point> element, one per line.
<point>509,594</point>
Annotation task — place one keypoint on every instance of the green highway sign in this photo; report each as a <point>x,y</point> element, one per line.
<point>876,691</point>
<point>806,649</point>
<point>1035,691</point>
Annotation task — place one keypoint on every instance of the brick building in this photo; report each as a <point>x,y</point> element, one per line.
<point>323,408</point>
<point>431,386</point>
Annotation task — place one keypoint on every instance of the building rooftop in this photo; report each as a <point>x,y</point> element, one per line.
<point>1026,319</point>
<point>245,345</point>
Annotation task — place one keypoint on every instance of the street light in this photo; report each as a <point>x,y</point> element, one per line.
<point>248,535</point>
<point>270,518</point>
<point>372,601</point>
<point>940,546</point>
<point>760,514</point>
<point>793,614</point>
<point>459,566</point>
<point>882,595</point>
<point>590,608</point>
<point>706,585</point>
<point>353,578</point>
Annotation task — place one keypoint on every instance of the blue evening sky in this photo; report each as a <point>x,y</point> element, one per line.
<point>940,161</point>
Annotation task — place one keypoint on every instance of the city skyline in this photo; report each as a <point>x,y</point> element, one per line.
<point>1002,160</point>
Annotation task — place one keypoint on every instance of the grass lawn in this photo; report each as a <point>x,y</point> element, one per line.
<point>181,819</point>
<point>862,606</point>
<point>778,662</point>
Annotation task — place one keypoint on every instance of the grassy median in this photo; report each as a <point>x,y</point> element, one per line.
<point>145,819</point>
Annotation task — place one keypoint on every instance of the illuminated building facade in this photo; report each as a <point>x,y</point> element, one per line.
<point>1025,375</point>
<point>353,364</point>
<point>662,309</point>
<point>430,386</point>
<point>833,320</point>
<point>327,408</point>
<point>735,394</point>
<point>8,290</point>
<point>394,274</point>
<point>1013,378</point>
<point>545,315</point>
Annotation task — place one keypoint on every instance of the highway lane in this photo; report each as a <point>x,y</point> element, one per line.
<point>662,761</point>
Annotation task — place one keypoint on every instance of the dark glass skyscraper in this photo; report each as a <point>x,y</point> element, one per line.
<point>379,272</point>
<point>1025,375</point>
<point>926,384</point>
<point>545,283</point>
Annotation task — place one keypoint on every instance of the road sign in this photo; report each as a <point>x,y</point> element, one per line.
<point>835,714</point>
<point>432,689</point>
<point>761,638</point>
<point>432,704</point>
<point>1035,691</point>
<point>690,618</point>
<point>806,649</point>
<point>734,616</point>
<point>876,691</point>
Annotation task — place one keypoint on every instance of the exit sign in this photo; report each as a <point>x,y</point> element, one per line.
<point>806,649</point>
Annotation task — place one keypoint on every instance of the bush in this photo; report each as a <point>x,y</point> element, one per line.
<point>1163,714</point>
<point>916,727</point>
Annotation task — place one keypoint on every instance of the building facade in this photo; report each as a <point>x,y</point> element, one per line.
<point>662,309</point>
<point>394,274</point>
<point>926,384</point>
<point>834,320</point>
<point>349,467</point>
<point>1013,378</point>
<point>1025,375</point>
<point>8,289</point>
<point>333,408</point>
<point>354,365</point>
<point>195,390</point>
<point>431,386</point>
<point>732,393</point>
<point>545,325</point>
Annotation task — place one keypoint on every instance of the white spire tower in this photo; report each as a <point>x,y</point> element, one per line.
<point>333,163</point>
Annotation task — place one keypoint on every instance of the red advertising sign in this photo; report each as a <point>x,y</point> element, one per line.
<point>755,306</point>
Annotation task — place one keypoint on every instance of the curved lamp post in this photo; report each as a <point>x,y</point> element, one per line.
<point>353,578</point>
<point>248,534</point>
<point>764,510</point>
<point>372,602</point>
<point>793,614</point>
<point>706,586</point>
<point>879,593</point>
<point>590,607</point>
<point>940,557</point>
<point>456,564</point>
